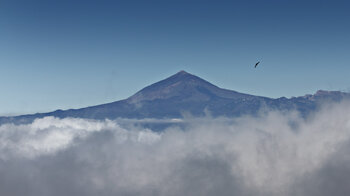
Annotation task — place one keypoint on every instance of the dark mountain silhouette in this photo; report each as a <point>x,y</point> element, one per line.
<point>186,94</point>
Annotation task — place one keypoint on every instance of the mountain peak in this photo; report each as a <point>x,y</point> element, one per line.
<point>182,86</point>
<point>182,75</point>
<point>182,72</point>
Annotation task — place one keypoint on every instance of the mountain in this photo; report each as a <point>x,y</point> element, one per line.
<point>186,94</point>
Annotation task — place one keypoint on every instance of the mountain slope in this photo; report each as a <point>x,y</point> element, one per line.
<point>183,94</point>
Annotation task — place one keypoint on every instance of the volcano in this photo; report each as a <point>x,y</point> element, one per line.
<point>185,94</point>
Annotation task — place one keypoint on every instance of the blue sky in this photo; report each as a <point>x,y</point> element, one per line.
<point>70,54</point>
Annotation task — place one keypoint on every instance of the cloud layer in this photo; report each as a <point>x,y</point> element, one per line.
<point>274,154</point>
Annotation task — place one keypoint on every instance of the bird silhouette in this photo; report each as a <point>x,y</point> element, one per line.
<point>256,64</point>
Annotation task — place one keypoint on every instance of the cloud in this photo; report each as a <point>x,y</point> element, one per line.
<point>274,154</point>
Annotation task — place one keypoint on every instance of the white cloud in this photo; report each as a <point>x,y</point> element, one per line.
<point>275,154</point>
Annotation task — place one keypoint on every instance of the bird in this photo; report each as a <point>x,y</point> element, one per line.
<point>256,64</point>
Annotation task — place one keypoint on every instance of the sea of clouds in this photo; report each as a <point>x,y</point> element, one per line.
<point>274,154</point>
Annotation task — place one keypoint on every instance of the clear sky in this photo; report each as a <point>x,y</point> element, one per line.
<point>69,54</point>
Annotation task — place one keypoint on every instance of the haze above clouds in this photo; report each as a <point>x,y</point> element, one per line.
<point>274,154</point>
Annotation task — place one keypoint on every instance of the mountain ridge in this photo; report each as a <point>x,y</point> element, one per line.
<point>186,93</point>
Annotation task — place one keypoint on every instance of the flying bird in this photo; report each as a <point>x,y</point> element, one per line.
<point>256,64</point>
